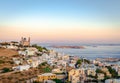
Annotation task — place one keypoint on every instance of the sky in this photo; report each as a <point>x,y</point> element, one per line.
<point>60,20</point>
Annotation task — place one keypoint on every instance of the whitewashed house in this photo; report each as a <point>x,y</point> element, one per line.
<point>72,65</point>
<point>21,67</point>
<point>112,81</point>
<point>45,56</point>
<point>61,62</point>
<point>17,61</point>
<point>65,57</point>
<point>11,47</point>
<point>52,54</point>
<point>22,53</point>
<point>31,51</point>
<point>34,63</point>
<point>57,70</point>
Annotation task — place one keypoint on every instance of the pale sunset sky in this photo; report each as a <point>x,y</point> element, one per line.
<point>60,20</point>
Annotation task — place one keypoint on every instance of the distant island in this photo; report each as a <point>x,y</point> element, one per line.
<point>73,47</point>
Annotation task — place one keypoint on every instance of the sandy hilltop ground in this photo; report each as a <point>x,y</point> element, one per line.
<point>7,52</point>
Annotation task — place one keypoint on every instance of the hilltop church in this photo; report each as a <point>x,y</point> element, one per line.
<point>25,42</point>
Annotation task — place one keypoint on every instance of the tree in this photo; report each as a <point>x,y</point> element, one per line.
<point>1,61</point>
<point>47,69</point>
<point>99,71</point>
<point>34,45</point>
<point>40,48</point>
<point>44,63</point>
<point>86,61</point>
<point>57,81</point>
<point>78,63</point>
<point>45,48</point>
<point>113,72</point>
<point>6,70</point>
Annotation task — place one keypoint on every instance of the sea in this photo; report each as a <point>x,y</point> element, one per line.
<point>91,51</point>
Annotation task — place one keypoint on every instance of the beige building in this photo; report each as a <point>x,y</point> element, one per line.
<point>91,72</point>
<point>46,76</point>
<point>105,70</point>
<point>65,57</point>
<point>100,76</point>
<point>76,75</point>
<point>25,42</point>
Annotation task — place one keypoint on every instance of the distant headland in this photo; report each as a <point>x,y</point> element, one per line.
<point>73,47</point>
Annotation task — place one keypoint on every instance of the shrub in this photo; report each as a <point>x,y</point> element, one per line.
<point>36,82</point>
<point>44,63</point>
<point>113,72</point>
<point>6,70</point>
<point>47,69</point>
<point>57,81</point>
<point>1,61</point>
<point>40,48</point>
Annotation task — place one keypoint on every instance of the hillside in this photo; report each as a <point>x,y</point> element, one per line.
<point>7,52</point>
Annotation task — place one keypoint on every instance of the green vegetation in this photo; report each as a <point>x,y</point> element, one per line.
<point>40,48</point>
<point>99,71</point>
<point>44,63</point>
<point>113,72</point>
<point>57,81</point>
<point>67,81</point>
<point>5,43</point>
<point>79,61</point>
<point>47,69</point>
<point>93,76</point>
<point>86,61</point>
<point>1,61</point>
<point>6,70</point>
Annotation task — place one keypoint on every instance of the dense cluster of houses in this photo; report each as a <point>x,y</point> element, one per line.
<point>61,62</point>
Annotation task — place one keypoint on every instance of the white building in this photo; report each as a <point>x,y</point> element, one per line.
<point>11,47</point>
<point>21,67</point>
<point>65,57</point>
<point>112,81</point>
<point>72,65</point>
<point>57,70</point>
<point>22,53</point>
<point>45,56</point>
<point>31,51</point>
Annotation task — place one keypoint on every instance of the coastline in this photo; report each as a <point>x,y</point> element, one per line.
<point>67,47</point>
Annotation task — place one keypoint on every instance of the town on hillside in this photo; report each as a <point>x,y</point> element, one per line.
<point>21,62</point>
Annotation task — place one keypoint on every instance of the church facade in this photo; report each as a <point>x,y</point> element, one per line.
<point>25,42</point>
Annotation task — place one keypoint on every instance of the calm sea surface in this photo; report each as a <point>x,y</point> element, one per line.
<point>91,51</point>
